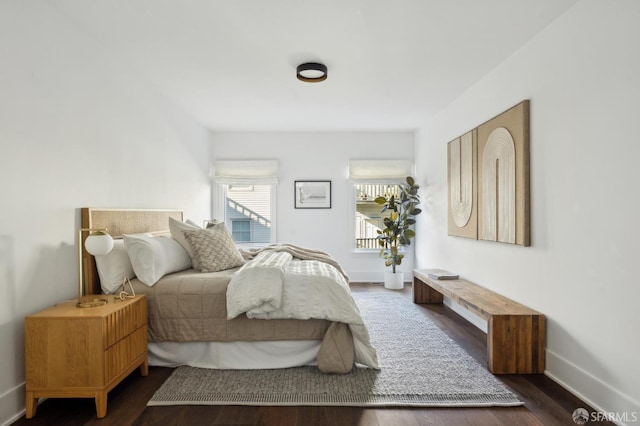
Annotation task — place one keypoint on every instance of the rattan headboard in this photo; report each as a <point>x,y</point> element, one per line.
<point>118,222</point>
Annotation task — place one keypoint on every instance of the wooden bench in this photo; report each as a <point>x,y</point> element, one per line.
<point>516,333</point>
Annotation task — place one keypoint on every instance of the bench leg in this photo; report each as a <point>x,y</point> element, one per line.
<point>515,344</point>
<point>422,293</point>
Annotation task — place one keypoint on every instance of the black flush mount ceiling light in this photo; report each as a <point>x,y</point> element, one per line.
<point>311,72</point>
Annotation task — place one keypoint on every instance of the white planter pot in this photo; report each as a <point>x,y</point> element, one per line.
<point>394,281</point>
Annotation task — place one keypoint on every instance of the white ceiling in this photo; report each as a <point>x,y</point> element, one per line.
<point>392,63</point>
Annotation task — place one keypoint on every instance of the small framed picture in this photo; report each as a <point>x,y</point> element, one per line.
<point>313,194</point>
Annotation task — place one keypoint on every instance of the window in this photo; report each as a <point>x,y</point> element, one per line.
<point>370,179</point>
<point>247,212</point>
<point>245,199</point>
<point>368,218</point>
<point>241,230</point>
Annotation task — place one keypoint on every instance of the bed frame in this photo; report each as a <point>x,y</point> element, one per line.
<point>119,222</point>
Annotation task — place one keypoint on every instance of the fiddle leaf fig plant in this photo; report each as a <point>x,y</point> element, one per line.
<point>398,224</point>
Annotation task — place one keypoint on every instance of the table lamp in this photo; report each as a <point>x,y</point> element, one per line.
<point>99,242</point>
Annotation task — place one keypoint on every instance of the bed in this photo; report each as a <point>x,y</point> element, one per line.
<point>278,307</point>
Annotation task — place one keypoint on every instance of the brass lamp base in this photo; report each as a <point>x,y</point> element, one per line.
<point>91,303</point>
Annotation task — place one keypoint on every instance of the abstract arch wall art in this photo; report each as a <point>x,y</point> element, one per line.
<point>495,182</point>
<point>462,152</point>
<point>498,188</point>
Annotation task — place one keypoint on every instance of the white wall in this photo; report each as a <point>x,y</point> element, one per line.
<point>76,130</point>
<point>582,74</point>
<point>319,156</point>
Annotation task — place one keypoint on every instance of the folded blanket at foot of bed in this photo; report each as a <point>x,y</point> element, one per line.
<point>277,285</point>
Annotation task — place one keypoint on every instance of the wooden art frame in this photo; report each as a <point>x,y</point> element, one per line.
<point>312,194</point>
<point>488,180</point>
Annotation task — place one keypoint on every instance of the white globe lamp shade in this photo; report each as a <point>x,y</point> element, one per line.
<point>99,243</point>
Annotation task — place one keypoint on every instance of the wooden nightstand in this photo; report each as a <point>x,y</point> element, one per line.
<point>75,352</point>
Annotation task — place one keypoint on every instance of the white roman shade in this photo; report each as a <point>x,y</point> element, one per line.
<point>246,172</point>
<point>370,171</point>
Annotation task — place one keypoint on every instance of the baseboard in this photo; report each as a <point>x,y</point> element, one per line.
<point>608,401</point>
<point>374,277</point>
<point>12,405</point>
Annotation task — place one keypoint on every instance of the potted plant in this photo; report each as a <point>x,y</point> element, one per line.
<point>398,229</point>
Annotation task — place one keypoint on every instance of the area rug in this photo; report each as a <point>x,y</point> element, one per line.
<point>420,366</point>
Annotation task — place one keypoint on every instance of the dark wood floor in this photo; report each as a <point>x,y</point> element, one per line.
<point>546,403</point>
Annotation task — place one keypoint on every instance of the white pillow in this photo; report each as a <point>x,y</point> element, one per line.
<point>154,257</point>
<point>176,227</point>
<point>114,267</point>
